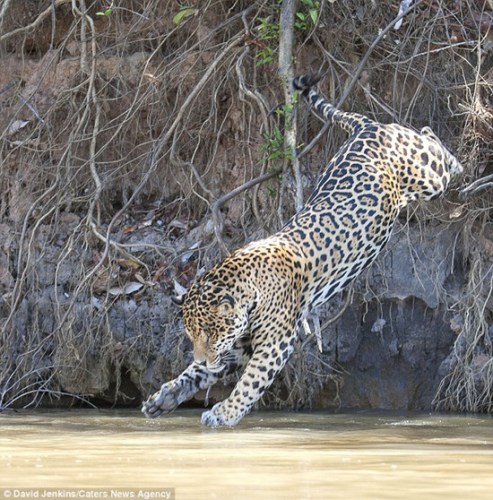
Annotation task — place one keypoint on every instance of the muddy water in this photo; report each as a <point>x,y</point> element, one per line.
<point>112,454</point>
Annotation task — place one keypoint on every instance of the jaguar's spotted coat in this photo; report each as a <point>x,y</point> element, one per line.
<point>247,309</point>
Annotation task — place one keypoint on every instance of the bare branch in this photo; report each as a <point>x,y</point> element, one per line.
<point>476,187</point>
<point>3,10</point>
<point>286,72</point>
<point>35,23</point>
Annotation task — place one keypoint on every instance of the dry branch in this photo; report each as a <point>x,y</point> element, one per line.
<point>476,187</point>
<point>41,17</point>
<point>286,72</point>
<point>3,10</point>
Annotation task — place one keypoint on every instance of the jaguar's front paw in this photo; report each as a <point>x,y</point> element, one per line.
<point>219,415</point>
<point>163,401</point>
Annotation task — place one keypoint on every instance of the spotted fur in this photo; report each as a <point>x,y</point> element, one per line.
<point>247,309</point>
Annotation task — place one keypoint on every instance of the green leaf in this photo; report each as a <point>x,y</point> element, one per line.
<point>182,14</point>
<point>107,12</point>
<point>314,15</point>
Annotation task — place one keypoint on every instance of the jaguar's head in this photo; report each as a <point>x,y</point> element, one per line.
<point>214,319</point>
<point>452,165</point>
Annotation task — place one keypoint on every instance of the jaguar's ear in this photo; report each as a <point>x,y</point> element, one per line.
<point>180,291</point>
<point>178,299</point>
<point>428,132</point>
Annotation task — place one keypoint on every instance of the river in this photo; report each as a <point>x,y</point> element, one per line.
<point>270,455</point>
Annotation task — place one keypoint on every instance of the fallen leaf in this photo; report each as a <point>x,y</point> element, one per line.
<point>16,125</point>
<point>129,288</point>
<point>179,289</point>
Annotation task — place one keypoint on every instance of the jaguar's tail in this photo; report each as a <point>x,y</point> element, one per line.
<point>351,122</point>
<point>305,82</point>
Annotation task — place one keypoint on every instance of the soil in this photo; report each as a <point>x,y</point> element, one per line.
<point>121,129</point>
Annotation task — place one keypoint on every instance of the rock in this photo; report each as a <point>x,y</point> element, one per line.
<point>415,264</point>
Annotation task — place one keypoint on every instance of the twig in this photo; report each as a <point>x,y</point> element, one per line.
<point>257,98</point>
<point>22,269</point>
<point>476,187</point>
<point>254,95</point>
<point>53,25</point>
<point>33,110</point>
<point>177,162</point>
<point>3,10</point>
<point>8,86</point>
<point>84,18</point>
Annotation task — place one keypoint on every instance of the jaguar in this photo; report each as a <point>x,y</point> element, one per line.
<point>245,312</point>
